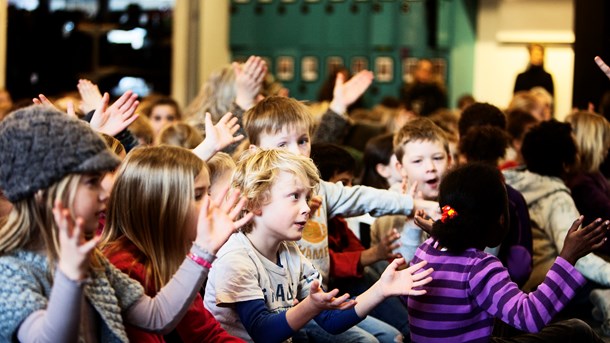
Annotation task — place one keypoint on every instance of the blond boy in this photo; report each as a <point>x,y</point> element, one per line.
<point>261,287</point>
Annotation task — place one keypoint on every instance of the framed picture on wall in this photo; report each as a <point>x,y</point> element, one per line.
<point>333,63</point>
<point>359,64</point>
<point>408,69</point>
<point>384,69</point>
<point>439,69</point>
<point>309,68</point>
<point>285,68</point>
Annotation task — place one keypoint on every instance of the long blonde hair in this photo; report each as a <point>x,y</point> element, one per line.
<point>31,225</point>
<point>592,133</point>
<point>150,205</point>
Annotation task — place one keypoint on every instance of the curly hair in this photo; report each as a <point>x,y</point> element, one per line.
<point>549,149</point>
<point>257,170</point>
<point>477,193</point>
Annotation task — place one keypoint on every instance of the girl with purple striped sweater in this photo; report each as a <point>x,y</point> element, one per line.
<point>470,287</point>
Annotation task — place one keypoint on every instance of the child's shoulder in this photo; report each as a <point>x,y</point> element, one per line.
<point>23,262</point>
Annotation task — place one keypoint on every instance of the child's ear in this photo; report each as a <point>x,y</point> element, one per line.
<point>252,147</point>
<point>382,170</point>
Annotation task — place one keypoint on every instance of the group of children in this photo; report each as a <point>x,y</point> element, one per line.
<point>188,244</point>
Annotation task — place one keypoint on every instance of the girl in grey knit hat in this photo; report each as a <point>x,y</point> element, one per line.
<point>51,170</point>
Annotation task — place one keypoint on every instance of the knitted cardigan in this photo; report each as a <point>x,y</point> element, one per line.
<point>25,287</point>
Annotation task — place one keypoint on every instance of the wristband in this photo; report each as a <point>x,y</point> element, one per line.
<point>199,260</point>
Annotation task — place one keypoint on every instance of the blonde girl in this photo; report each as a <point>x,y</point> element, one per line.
<point>51,171</point>
<point>149,242</point>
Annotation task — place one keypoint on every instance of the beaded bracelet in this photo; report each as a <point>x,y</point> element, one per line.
<point>199,260</point>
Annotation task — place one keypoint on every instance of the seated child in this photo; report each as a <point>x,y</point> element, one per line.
<point>471,288</point>
<point>422,151</point>
<point>56,286</point>
<point>261,287</point>
<point>221,167</point>
<point>149,241</point>
<point>379,163</point>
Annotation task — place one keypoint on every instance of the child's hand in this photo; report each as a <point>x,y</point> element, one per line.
<point>249,80</point>
<point>423,221</point>
<point>385,248</point>
<point>114,119</point>
<point>217,220</point>
<point>580,242</point>
<point>219,136</point>
<point>431,208</point>
<point>74,249</point>
<point>345,93</point>
<point>314,204</point>
<point>603,66</point>
<point>402,282</point>
<point>327,301</point>
<point>90,95</point>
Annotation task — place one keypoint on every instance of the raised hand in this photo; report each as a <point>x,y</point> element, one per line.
<point>345,93</point>
<point>328,300</point>
<point>90,95</point>
<point>43,100</point>
<point>219,136</point>
<point>580,242</point>
<point>431,208</point>
<point>423,221</point>
<point>74,249</point>
<point>218,219</point>
<point>114,119</point>
<point>249,80</point>
<point>402,282</point>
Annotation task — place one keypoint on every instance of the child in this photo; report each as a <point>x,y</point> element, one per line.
<point>471,287</point>
<point>379,163</point>
<point>52,166</point>
<point>262,288</point>
<point>162,112</point>
<point>180,134</point>
<point>160,186</point>
<point>422,151</point>
<point>487,144</point>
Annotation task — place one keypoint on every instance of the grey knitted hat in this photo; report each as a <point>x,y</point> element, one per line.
<point>40,145</point>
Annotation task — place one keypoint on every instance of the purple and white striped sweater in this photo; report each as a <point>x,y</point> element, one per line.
<point>469,289</point>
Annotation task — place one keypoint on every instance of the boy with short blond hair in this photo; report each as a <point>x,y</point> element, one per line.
<point>260,272</point>
<point>422,150</point>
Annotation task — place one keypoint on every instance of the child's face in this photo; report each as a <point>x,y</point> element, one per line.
<point>346,178</point>
<point>202,184</point>
<point>284,216</point>
<point>162,115</point>
<point>424,162</point>
<point>292,138</point>
<point>90,201</point>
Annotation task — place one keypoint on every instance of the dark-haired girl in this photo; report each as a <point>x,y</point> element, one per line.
<point>470,287</point>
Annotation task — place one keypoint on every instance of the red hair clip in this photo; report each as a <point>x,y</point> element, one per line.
<point>448,212</point>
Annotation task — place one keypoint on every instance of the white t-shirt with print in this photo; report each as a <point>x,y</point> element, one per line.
<point>241,273</point>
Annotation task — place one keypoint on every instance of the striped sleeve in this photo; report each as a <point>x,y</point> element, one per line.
<point>492,290</point>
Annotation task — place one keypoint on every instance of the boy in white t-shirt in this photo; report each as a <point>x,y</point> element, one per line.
<point>262,288</point>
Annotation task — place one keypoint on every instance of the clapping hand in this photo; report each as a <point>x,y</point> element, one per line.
<point>218,219</point>
<point>74,249</point>
<point>114,119</point>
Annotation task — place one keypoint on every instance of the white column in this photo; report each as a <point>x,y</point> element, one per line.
<point>3,38</point>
